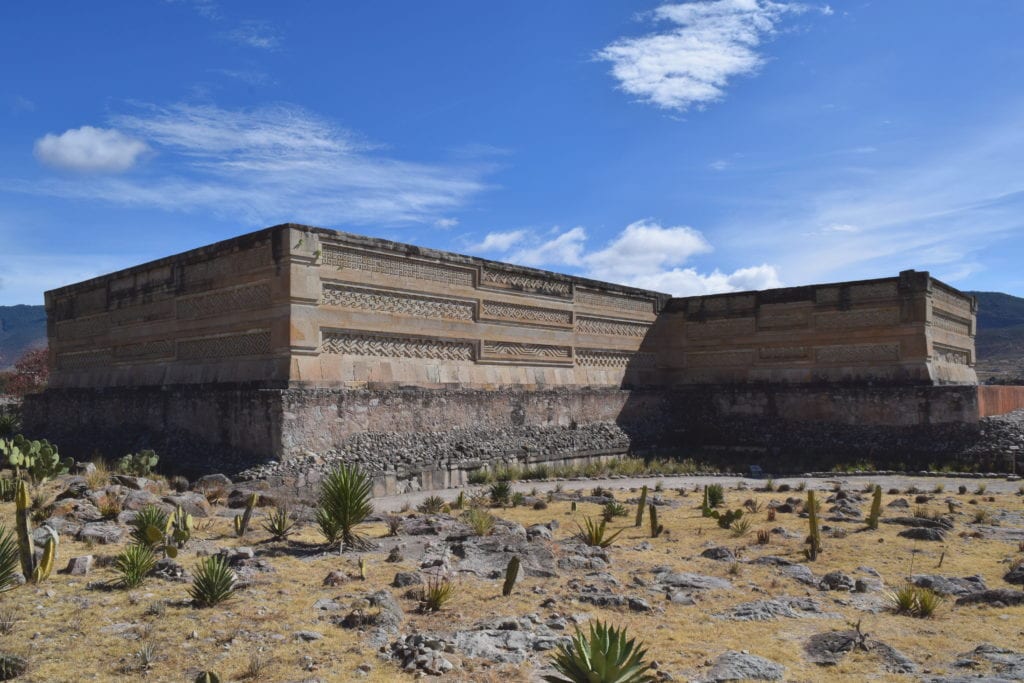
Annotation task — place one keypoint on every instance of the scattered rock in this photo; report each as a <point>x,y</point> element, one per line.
<point>923,534</point>
<point>692,581</point>
<point>421,653</point>
<point>739,666</point>
<point>949,585</point>
<point>104,533</point>
<point>308,636</point>
<point>406,579</point>
<point>769,610</point>
<point>335,577</point>
<point>836,581</point>
<point>719,553</point>
<point>1015,575</point>
<point>998,597</point>
<point>79,566</point>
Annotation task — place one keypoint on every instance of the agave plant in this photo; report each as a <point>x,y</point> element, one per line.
<point>214,582</point>
<point>593,533</point>
<point>149,526</point>
<point>10,559</point>
<point>134,563</point>
<point>345,501</point>
<point>279,523</point>
<point>606,656</point>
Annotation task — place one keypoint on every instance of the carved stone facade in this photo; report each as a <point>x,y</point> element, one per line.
<point>300,309</point>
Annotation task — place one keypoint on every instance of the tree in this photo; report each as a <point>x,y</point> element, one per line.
<point>31,373</point>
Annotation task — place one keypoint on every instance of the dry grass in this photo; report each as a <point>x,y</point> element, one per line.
<point>71,633</point>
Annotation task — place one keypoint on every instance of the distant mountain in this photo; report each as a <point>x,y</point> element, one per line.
<point>22,328</point>
<point>1000,340</point>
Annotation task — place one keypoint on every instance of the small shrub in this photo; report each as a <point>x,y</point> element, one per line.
<point>134,563</point>
<point>769,486</point>
<point>802,486</point>
<point>716,495</point>
<point>752,505</point>
<point>734,569</point>
<point>540,505</point>
<point>460,501</point>
<point>479,520</point>
<point>613,509</point>
<point>605,655</point>
<point>279,523</point>
<point>109,506</point>
<point>437,592</point>
<point>518,498</point>
<point>214,582</point>
<point>914,601</point>
<point>99,476</point>
<point>431,505</point>
<point>8,620</point>
<point>962,490</point>
<point>500,493</point>
<point>939,488</point>
<point>478,477</point>
<point>980,491</point>
<point>725,519</point>
<point>179,483</point>
<point>257,667</point>
<point>982,516</point>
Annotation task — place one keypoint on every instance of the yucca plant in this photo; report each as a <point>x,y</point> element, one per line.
<point>437,592</point>
<point>479,520</point>
<point>716,495</point>
<point>914,601</point>
<point>134,563</point>
<point>605,656</point>
<point>741,527</point>
<point>345,502</point>
<point>10,559</point>
<point>594,533</point>
<point>214,582</point>
<point>279,523</point>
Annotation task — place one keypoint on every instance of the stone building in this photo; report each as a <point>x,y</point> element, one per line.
<point>295,340</point>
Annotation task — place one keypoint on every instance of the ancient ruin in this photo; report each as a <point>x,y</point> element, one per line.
<point>294,342</point>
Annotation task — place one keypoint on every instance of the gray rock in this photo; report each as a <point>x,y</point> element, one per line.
<point>405,579</point>
<point>540,531</point>
<point>101,532</point>
<point>692,581</point>
<point>1006,663</point>
<point>192,503</point>
<point>79,566</point>
<point>488,556</point>
<point>801,573</point>
<point>135,483</point>
<point>826,649</point>
<point>999,597</point>
<point>738,666</point>
<point>836,581</point>
<point>1015,576</point>
<point>639,605</point>
<point>211,481</point>
<point>923,534</point>
<point>920,522</point>
<point>769,610</point>
<point>949,585</point>
<point>308,636</point>
<point>719,553</point>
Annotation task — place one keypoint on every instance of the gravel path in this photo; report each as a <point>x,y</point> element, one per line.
<point>902,482</point>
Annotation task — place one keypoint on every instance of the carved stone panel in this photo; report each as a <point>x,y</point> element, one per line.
<point>535,315</point>
<point>224,301</point>
<point>524,282</point>
<point>620,328</point>
<point>225,346</point>
<point>608,358</point>
<point>368,299</point>
<point>197,275</point>
<point>83,360</point>
<point>713,359</point>
<point>719,329</point>
<point>151,350</point>
<point>877,290</point>
<point>525,353</point>
<point>855,353</point>
<point>856,317</point>
<point>83,327</point>
<point>951,302</point>
<point>777,354</point>
<point>622,302</point>
<point>951,323</point>
<point>359,344</point>
<point>952,355</point>
<point>782,318</point>
<point>396,266</point>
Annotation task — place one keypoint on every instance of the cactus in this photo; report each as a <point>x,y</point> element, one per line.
<point>45,565</point>
<point>656,528</point>
<point>24,529</point>
<point>362,568</point>
<point>511,574</point>
<point>242,521</point>
<point>39,458</point>
<point>572,507</point>
<point>705,506</point>
<point>814,537</point>
<point>11,666</point>
<point>179,527</point>
<point>640,507</point>
<point>876,508</point>
<point>139,464</point>
<point>207,677</point>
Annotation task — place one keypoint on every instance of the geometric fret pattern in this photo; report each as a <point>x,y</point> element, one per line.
<point>526,283</point>
<point>620,328</point>
<point>396,266</point>
<point>226,346</point>
<point>359,344</point>
<point>603,358</point>
<point>524,314</point>
<point>346,296</point>
<point>525,351</point>
<point>223,301</point>
<point>625,303</point>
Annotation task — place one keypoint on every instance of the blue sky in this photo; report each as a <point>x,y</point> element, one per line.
<point>685,147</point>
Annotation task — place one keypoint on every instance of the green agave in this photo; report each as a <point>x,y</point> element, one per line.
<point>606,656</point>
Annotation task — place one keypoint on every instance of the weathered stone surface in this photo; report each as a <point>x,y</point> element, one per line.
<point>769,610</point>
<point>719,553</point>
<point>998,597</point>
<point>1015,575</point>
<point>923,534</point>
<point>79,566</point>
<point>739,666</point>
<point>101,532</point>
<point>949,585</point>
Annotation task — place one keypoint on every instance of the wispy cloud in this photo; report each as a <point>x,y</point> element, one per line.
<point>713,42</point>
<point>270,164</point>
<point>258,34</point>
<point>644,254</point>
<point>247,76</point>
<point>89,149</point>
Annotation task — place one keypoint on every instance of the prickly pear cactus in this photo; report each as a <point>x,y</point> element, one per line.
<point>207,677</point>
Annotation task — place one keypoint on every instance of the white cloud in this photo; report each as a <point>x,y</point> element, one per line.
<point>89,149</point>
<point>713,42</point>
<point>565,249</point>
<point>718,165</point>
<point>272,164</point>
<point>258,34</point>
<point>644,254</point>
<point>248,77</point>
<point>446,223</point>
<point>498,241</point>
